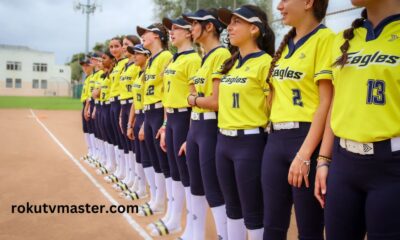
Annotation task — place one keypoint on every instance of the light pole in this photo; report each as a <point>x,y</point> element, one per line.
<point>87,9</point>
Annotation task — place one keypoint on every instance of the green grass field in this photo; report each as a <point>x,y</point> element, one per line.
<point>47,103</point>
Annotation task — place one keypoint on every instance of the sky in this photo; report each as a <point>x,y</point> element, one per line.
<point>53,25</point>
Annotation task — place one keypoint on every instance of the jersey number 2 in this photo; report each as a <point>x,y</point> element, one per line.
<point>297,97</point>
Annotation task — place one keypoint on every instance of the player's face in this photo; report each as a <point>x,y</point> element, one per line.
<point>196,30</point>
<point>240,31</point>
<point>292,11</point>
<point>125,44</point>
<point>139,59</point>
<point>106,61</point>
<point>179,35</point>
<point>115,48</point>
<point>148,38</point>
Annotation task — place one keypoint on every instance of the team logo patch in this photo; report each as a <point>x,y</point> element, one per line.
<point>393,37</point>
<point>366,148</point>
<point>302,56</point>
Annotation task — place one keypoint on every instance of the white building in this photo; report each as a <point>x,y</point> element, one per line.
<point>28,72</point>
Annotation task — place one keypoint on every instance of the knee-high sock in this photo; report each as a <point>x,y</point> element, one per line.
<point>220,220</point>
<point>199,204</point>
<point>236,229</point>
<point>150,177</point>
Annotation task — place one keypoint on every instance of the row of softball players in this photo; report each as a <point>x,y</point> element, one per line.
<point>300,88</point>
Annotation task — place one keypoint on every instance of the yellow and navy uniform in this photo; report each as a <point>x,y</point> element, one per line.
<point>366,106</point>
<point>115,75</point>
<point>129,73</point>
<point>176,78</point>
<point>105,86</point>
<point>97,79</point>
<point>138,91</point>
<point>242,93</point>
<point>210,68</point>
<point>153,86</point>
<point>296,75</point>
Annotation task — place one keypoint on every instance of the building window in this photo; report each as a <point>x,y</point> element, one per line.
<point>61,70</point>
<point>40,67</point>
<point>14,66</point>
<point>43,84</point>
<point>18,83</point>
<point>9,83</point>
<point>35,83</point>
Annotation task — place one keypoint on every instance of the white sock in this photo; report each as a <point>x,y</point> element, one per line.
<point>87,140</point>
<point>188,233</point>
<point>111,162</point>
<point>256,234</point>
<point>131,170</point>
<point>127,167</point>
<point>93,145</point>
<point>178,197</point>
<point>117,160</point>
<point>236,229</point>
<point>160,192</point>
<point>103,147</point>
<point>141,179</point>
<point>170,197</point>
<point>220,220</point>
<point>150,177</point>
<point>199,204</point>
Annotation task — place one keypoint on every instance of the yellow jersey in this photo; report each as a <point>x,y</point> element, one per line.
<point>153,86</point>
<point>105,86</point>
<point>129,73</point>
<point>296,75</point>
<point>115,75</point>
<point>210,69</point>
<point>176,78</point>
<point>85,88</point>
<point>97,79</point>
<point>138,91</point>
<point>366,106</point>
<point>242,93</point>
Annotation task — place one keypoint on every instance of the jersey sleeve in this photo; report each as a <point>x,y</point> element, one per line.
<point>192,68</point>
<point>263,74</point>
<point>323,59</point>
<point>218,64</point>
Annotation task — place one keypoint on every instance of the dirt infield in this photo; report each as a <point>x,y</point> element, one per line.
<point>35,169</point>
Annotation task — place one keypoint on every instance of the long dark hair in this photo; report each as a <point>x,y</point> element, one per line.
<point>348,34</point>
<point>214,13</point>
<point>319,12</point>
<point>264,42</point>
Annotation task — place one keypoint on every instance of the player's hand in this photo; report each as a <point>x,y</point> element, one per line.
<point>161,135</point>
<point>182,150</point>
<point>94,113</point>
<point>87,115</point>
<point>299,170</point>
<point>130,135</point>
<point>141,133</point>
<point>320,185</point>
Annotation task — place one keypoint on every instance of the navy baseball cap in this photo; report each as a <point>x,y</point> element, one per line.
<point>94,55</point>
<point>84,61</point>
<point>204,15</point>
<point>151,28</point>
<point>244,13</point>
<point>138,48</point>
<point>180,22</point>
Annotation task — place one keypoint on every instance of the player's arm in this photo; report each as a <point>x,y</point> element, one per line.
<point>131,123</point>
<point>209,102</point>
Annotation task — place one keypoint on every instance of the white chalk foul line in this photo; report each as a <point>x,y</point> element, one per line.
<point>127,217</point>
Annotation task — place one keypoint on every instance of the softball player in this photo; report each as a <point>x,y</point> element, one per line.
<point>128,74</point>
<point>87,69</point>
<point>301,79</point>
<point>155,38</point>
<point>173,133</point>
<point>364,173</point>
<point>136,119</point>
<point>122,156</point>
<point>242,118</point>
<point>202,135</point>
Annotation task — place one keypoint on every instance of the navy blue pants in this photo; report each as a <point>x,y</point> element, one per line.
<point>175,135</point>
<point>106,126</point>
<point>142,155</point>
<point>279,196</point>
<point>97,132</point>
<point>91,126</point>
<point>125,111</point>
<point>84,122</point>
<point>115,111</point>
<point>153,121</point>
<point>363,194</point>
<point>200,154</point>
<point>239,173</point>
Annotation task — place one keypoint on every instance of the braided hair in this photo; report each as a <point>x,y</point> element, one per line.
<point>348,35</point>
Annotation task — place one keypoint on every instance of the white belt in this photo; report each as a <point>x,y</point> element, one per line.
<point>96,101</point>
<point>206,115</point>
<point>285,125</point>
<point>123,102</point>
<point>173,110</point>
<point>234,133</point>
<point>366,148</point>
<point>107,102</point>
<point>138,111</point>
<point>153,106</point>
